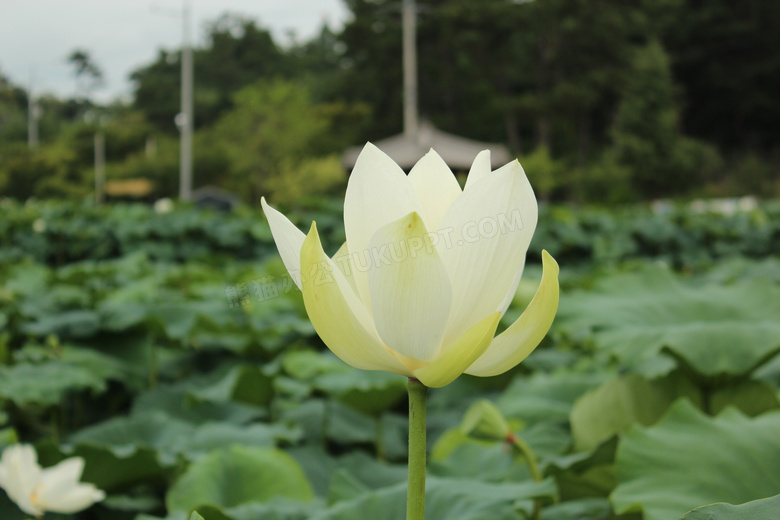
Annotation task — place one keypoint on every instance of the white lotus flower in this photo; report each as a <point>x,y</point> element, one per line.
<point>427,270</point>
<point>36,490</point>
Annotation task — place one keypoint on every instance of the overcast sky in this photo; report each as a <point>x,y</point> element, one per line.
<point>37,35</point>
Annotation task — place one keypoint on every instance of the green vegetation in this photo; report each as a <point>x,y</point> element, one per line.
<point>611,101</point>
<point>173,353</point>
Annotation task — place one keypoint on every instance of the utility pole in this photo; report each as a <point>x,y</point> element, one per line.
<point>409,18</point>
<point>33,113</point>
<point>186,117</point>
<point>100,166</point>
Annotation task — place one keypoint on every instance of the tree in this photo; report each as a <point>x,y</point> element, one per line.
<point>543,72</point>
<point>88,75</point>
<point>273,129</point>
<point>725,58</point>
<point>237,53</point>
<point>13,112</point>
<point>646,134</point>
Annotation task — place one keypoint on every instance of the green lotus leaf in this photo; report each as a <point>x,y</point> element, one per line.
<point>171,437</point>
<point>594,508</point>
<point>446,499</point>
<point>688,459</point>
<point>765,509</point>
<point>321,468</point>
<point>546,397</point>
<point>67,324</point>
<point>305,365</point>
<point>45,384</point>
<point>239,475</point>
<point>242,383</point>
<point>274,510</point>
<point>619,403</point>
<point>719,332</point>
<point>368,392</point>
<point>177,402</point>
<point>112,469</point>
<point>614,407</point>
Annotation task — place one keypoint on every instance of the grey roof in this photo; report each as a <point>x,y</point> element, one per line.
<point>214,198</point>
<point>458,152</point>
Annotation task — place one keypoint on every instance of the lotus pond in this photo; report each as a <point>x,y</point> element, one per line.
<point>173,354</point>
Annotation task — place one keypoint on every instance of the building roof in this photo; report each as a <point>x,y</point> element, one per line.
<point>458,152</point>
<point>214,198</point>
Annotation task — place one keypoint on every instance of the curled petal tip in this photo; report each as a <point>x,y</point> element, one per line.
<point>549,262</point>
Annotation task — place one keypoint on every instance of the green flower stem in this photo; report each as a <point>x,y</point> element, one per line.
<point>415,498</point>
<point>533,466</point>
<point>528,455</point>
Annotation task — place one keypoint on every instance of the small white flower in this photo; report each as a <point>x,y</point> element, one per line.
<point>36,490</point>
<point>163,205</point>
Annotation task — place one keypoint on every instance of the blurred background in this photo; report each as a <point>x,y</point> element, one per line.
<point>604,101</point>
<point>147,323</point>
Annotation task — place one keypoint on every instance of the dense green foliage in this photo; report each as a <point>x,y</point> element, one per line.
<point>173,353</point>
<point>685,237</point>
<point>626,100</point>
<point>646,136</point>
